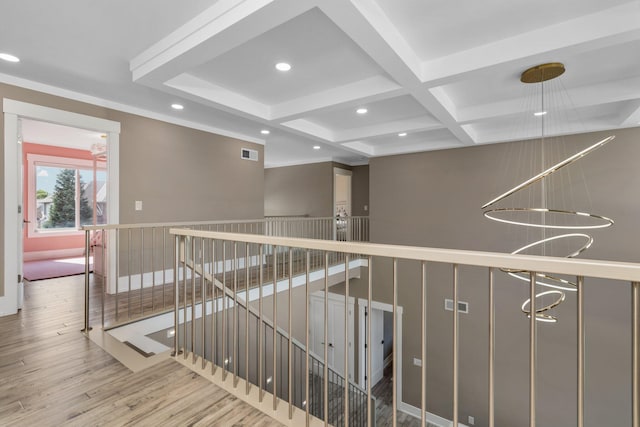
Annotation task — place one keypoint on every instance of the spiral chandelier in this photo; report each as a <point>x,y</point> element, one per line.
<point>572,224</point>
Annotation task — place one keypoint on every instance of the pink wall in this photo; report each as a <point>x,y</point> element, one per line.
<point>38,244</point>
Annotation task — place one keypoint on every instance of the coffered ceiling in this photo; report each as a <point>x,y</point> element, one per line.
<point>432,74</point>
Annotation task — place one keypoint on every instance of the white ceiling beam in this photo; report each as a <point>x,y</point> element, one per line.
<point>219,97</point>
<point>360,147</point>
<point>311,129</point>
<point>632,116</point>
<point>417,124</point>
<point>221,28</point>
<point>416,147</point>
<point>370,29</point>
<point>606,28</point>
<point>369,90</point>
<point>584,96</point>
<point>508,134</point>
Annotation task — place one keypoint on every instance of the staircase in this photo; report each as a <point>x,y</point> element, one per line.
<point>242,345</point>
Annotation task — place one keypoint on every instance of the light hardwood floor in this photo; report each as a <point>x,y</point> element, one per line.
<point>51,374</point>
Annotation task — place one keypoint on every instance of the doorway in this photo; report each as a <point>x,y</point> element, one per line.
<point>335,330</point>
<point>65,187</point>
<point>341,202</point>
<point>14,218</point>
<point>381,343</point>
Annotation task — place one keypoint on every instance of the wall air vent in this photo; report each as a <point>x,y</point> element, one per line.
<point>248,154</point>
<point>463,306</point>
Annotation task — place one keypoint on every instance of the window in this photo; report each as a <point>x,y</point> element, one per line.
<point>65,194</point>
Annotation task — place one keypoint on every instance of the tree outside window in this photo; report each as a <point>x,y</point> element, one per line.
<point>64,206</point>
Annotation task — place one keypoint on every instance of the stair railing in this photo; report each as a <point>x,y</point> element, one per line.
<point>273,367</point>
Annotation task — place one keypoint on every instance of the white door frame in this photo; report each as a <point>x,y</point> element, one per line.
<point>339,299</point>
<point>362,351</point>
<point>14,110</point>
<point>344,172</point>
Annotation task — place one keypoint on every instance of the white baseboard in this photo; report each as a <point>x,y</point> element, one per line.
<point>53,254</point>
<point>387,361</point>
<point>132,282</point>
<point>431,418</point>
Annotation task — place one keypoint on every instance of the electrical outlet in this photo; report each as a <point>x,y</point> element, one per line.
<point>471,420</point>
<point>417,361</point>
<point>138,205</point>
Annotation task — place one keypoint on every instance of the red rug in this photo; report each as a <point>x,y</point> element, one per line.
<point>51,268</point>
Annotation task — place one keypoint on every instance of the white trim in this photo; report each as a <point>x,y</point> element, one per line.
<point>362,352</point>
<point>46,160</point>
<point>54,254</point>
<point>101,102</point>
<point>431,418</point>
<point>339,299</point>
<point>13,110</point>
<point>9,300</point>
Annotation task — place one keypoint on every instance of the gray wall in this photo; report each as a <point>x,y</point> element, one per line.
<point>180,174</point>
<point>360,190</point>
<point>308,190</point>
<point>433,199</point>
<point>299,190</point>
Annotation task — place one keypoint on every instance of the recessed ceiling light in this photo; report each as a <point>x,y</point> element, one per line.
<point>316,147</point>
<point>9,58</point>
<point>265,132</point>
<point>402,134</point>
<point>540,113</point>
<point>283,66</point>
<point>361,111</point>
<point>177,106</point>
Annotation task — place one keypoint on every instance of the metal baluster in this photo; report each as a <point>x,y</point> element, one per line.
<point>234,359</point>
<point>247,262</point>
<point>193,298</point>
<point>176,294</point>
<point>306,341</point>
<point>423,347</point>
<point>203,298</point>
<point>635,353</point>
<point>105,276</point>
<point>326,339</point>
<point>346,340</point>
<point>214,308</point>
<point>492,348</point>
<point>455,345</point>
<point>395,342</point>
<point>184,295</point>
<point>164,266</point>
<point>290,343</point>
<point>260,322</point>
<point>87,254</point>
<point>368,378</point>
<point>532,350</point>
<point>129,256</point>
<point>117,271</point>
<point>275,327</point>
<point>141,271</point>
<point>580,300</point>
<point>153,269</point>
<point>224,310</point>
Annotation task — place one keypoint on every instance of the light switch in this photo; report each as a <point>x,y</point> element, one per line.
<point>138,205</point>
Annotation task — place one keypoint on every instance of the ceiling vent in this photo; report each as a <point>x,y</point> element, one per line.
<point>248,154</point>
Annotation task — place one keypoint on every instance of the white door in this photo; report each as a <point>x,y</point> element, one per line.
<point>335,331</point>
<point>316,326</point>
<point>21,219</point>
<point>336,337</point>
<point>377,345</point>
